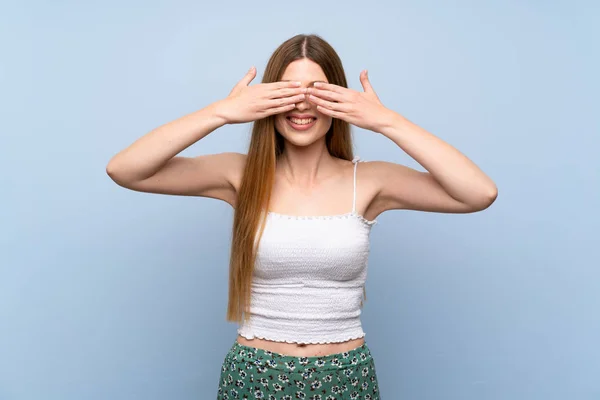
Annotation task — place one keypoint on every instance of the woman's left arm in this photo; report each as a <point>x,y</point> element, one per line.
<point>453,183</point>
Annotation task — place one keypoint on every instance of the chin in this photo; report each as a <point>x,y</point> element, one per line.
<point>301,141</point>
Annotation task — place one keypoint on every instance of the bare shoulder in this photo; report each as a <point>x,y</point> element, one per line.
<point>370,181</point>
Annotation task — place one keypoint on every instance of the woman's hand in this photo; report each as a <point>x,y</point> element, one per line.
<point>248,103</point>
<point>362,109</point>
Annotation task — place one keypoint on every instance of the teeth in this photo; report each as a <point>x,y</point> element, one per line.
<point>303,121</point>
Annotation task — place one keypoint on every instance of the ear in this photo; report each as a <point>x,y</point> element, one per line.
<point>364,80</point>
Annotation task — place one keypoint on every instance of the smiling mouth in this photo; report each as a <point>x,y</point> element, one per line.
<point>301,121</point>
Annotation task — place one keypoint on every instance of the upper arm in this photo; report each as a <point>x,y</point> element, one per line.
<point>212,175</point>
<point>401,187</point>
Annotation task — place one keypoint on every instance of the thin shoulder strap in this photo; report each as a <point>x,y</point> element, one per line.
<point>355,162</point>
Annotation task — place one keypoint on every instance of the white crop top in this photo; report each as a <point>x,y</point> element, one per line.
<point>308,278</point>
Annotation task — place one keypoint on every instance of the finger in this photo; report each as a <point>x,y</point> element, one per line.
<point>250,75</point>
<point>279,110</point>
<point>326,94</point>
<point>283,84</point>
<point>327,104</point>
<point>331,113</point>
<point>286,92</point>
<point>364,80</point>
<point>330,87</point>
<point>285,101</point>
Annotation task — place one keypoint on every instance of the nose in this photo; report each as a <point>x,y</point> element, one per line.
<point>303,105</point>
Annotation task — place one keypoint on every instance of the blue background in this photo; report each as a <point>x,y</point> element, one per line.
<point>107,293</point>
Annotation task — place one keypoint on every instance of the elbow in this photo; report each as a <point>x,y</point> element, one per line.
<point>112,169</point>
<point>122,174</point>
<point>116,173</point>
<point>485,199</point>
<point>491,195</point>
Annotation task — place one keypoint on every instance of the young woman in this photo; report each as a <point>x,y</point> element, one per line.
<point>303,214</point>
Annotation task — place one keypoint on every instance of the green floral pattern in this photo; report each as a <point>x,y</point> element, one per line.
<point>253,373</point>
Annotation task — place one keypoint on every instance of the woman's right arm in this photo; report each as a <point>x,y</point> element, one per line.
<point>151,163</point>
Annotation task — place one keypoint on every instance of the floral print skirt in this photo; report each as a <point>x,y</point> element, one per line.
<point>253,373</point>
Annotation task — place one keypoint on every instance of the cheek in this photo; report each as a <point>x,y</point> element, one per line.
<point>279,122</point>
<point>325,122</point>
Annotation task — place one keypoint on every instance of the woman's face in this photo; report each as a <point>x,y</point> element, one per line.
<point>303,125</point>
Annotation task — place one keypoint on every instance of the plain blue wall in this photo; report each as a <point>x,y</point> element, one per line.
<point>107,293</point>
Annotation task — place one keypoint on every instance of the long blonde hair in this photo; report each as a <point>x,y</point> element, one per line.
<point>266,145</point>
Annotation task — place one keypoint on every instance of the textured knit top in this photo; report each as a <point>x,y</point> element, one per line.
<point>309,276</point>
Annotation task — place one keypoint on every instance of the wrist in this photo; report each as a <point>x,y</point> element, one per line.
<point>218,112</point>
<point>390,122</point>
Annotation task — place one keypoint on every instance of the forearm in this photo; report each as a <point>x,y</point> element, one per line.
<point>457,175</point>
<point>151,152</point>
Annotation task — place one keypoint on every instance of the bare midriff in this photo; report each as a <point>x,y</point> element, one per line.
<point>301,349</point>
